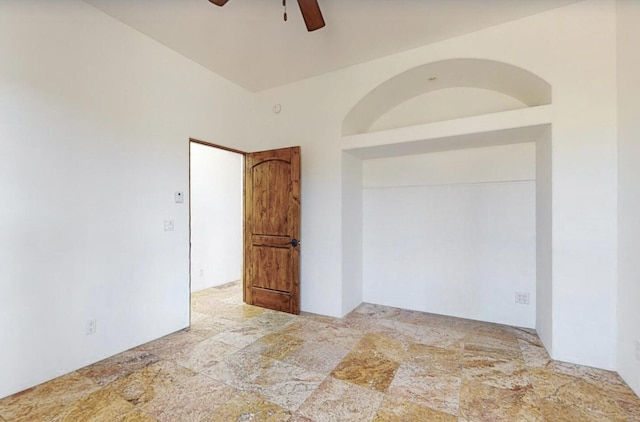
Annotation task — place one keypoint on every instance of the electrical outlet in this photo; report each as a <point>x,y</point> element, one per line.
<point>522,298</point>
<point>201,272</point>
<point>169,225</point>
<point>638,350</point>
<point>92,326</point>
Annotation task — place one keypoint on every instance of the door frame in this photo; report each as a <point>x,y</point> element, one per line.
<point>224,148</point>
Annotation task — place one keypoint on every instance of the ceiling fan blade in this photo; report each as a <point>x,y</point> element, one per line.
<point>219,2</point>
<point>311,14</point>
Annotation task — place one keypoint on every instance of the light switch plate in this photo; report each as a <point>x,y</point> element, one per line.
<point>179,197</point>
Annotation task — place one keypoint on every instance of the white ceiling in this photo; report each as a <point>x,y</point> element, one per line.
<point>248,43</point>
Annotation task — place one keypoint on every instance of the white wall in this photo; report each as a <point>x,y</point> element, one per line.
<point>445,104</point>
<point>94,126</point>
<point>544,241</point>
<point>452,233</point>
<point>572,48</point>
<point>352,232</point>
<point>584,185</point>
<point>306,122</point>
<point>216,216</point>
<point>473,165</point>
<point>629,191</point>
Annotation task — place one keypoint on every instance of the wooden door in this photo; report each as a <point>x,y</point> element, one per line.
<point>272,229</point>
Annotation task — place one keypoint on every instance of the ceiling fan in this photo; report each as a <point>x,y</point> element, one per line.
<point>309,8</point>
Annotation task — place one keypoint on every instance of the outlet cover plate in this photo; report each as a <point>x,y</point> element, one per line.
<point>522,298</point>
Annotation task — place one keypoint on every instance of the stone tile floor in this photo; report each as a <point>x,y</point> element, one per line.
<point>242,363</point>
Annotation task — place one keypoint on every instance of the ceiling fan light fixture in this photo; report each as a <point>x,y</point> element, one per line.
<point>309,8</point>
<point>311,14</point>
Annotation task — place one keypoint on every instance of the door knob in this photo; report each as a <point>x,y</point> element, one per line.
<point>295,242</point>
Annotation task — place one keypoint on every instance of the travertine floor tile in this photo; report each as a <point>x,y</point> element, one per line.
<point>442,322</point>
<point>209,326</point>
<point>103,405</point>
<point>238,369</point>
<point>320,318</point>
<point>534,356</point>
<point>169,346</point>
<point>233,300</point>
<point>490,347</point>
<point>241,363</point>
<point>377,311</point>
<point>144,385</point>
<point>561,391</point>
<point>528,335</point>
<point>480,402</point>
<point>435,360</point>
<point>496,372</point>
<point>628,401</point>
<point>394,409</point>
<point>275,346</point>
<point>336,334</point>
<point>198,316</point>
<point>384,346</point>
<point>241,312</point>
<point>192,401</point>
<point>299,418</point>
<point>135,416</point>
<point>439,392</point>
<point>270,321</point>
<point>240,336</point>
<point>303,328</point>
<point>118,366</point>
<point>213,306</point>
<point>209,305</point>
<point>41,403</point>
<point>279,382</point>
<point>593,375</point>
<point>203,355</point>
<point>317,356</point>
<point>371,363</point>
<point>250,407</point>
<point>413,333</point>
<point>497,331</point>
<point>286,385</point>
<point>563,412</point>
<point>337,400</point>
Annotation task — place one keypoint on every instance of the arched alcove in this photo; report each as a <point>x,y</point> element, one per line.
<point>427,156</point>
<point>446,90</point>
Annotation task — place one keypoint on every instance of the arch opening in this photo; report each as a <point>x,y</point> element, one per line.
<point>465,86</point>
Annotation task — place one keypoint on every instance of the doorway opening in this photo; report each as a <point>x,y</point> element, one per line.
<point>244,230</point>
<point>216,228</point>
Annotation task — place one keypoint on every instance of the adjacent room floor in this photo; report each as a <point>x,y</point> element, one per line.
<point>242,363</point>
